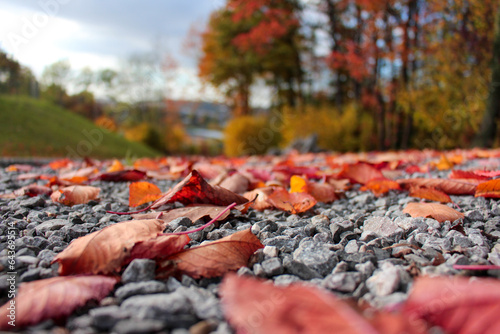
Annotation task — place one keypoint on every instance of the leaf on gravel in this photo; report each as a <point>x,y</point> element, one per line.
<point>31,191</point>
<point>462,174</point>
<point>123,176</point>
<point>142,192</point>
<point>254,306</point>
<point>429,193</point>
<point>450,187</point>
<point>195,190</point>
<point>236,183</point>
<point>457,304</point>
<point>490,189</point>
<point>380,187</point>
<point>158,248</point>
<point>293,203</point>
<point>440,212</point>
<point>103,252</point>
<point>192,212</point>
<point>260,195</point>
<point>360,173</point>
<point>322,192</point>
<point>53,298</point>
<point>212,259</point>
<point>73,195</point>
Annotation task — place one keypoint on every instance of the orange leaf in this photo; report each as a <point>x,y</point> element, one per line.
<point>381,186</point>
<point>142,192</point>
<point>262,195</point>
<point>73,195</point>
<point>440,212</point>
<point>298,184</point>
<point>293,203</point>
<point>322,192</point>
<point>103,252</point>
<point>360,173</point>
<point>456,304</point>
<point>195,190</point>
<point>451,187</point>
<point>462,174</point>
<point>432,194</point>
<point>116,166</point>
<point>212,259</point>
<point>53,298</point>
<point>255,306</point>
<point>488,189</point>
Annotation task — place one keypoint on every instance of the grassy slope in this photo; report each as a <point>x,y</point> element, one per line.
<point>30,127</point>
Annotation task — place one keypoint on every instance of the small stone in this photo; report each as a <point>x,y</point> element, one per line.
<point>140,288</point>
<point>139,270</point>
<point>474,215</point>
<point>300,269</point>
<point>173,284</point>
<point>258,270</point>
<point>414,258</point>
<point>272,267</point>
<point>352,247</point>
<point>50,225</point>
<point>316,255</point>
<point>157,305</point>
<point>341,267</point>
<point>382,227</point>
<point>286,279</point>
<point>104,318</point>
<point>33,202</point>
<point>409,224</point>
<point>283,243</point>
<point>457,259</point>
<point>343,282</point>
<point>244,271</point>
<point>366,268</point>
<point>132,326</point>
<point>181,221</point>
<point>384,281</point>
<point>270,251</point>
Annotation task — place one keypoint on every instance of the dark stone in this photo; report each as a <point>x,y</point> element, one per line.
<point>139,270</point>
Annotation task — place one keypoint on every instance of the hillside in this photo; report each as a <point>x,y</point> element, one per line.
<point>30,127</point>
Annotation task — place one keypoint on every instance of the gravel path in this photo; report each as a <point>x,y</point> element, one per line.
<point>360,246</point>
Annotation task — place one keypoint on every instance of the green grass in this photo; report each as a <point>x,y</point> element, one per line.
<point>36,128</point>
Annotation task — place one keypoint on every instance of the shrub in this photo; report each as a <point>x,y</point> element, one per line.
<point>248,135</point>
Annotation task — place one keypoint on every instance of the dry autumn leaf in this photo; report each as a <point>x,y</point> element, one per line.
<point>429,193</point>
<point>254,306</point>
<point>322,192</point>
<point>158,248</point>
<point>103,252</point>
<point>192,212</point>
<point>123,176</point>
<point>53,298</point>
<point>450,187</point>
<point>360,173</point>
<point>195,190</point>
<point>236,183</point>
<point>380,186</point>
<point>212,259</point>
<point>142,192</point>
<point>457,304</point>
<point>293,203</point>
<point>462,174</point>
<point>490,189</point>
<point>440,212</point>
<point>31,191</point>
<point>260,195</point>
<point>73,195</point>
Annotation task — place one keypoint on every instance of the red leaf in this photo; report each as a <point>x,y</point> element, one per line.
<point>360,173</point>
<point>489,189</point>
<point>73,195</point>
<point>462,174</point>
<point>195,190</point>
<point>212,259</point>
<point>432,194</point>
<point>381,186</point>
<point>457,304</point>
<point>440,212</point>
<point>451,187</point>
<point>158,248</point>
<point>123,176</point>
<point>142,192</point>
<point>236,183</point>
<point>31,191</point>
<point>322,192</point>
<point>192,212</point>
<point>254,306</point>
<point>103,252</point>
<point>53,298</point>
<point>293,203</point>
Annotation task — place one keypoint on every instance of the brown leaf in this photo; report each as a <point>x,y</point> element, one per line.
<point>440,212</point>
<point>360,173</point>
<point>260,195</point>
<point>103,252</point>
<point>380,186</point>
<point>53,298</point>
<point>142,192</point>
<point>31,191</point>
<point>254,306</point>
<point>195,190</point>
<point>456,304</point>
<point>432,194</point>
<point>490,189</point>
<point>322,192</point>
<point>123,176</point>
<point>236,183</point>
<point>450,187</point>
<point>212,259</point>
<point>293,203</point>
<point>73,195</point>
<point>158,248</point>
<point>192,212</point>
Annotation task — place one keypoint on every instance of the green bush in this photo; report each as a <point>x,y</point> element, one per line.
<point>249,135</point>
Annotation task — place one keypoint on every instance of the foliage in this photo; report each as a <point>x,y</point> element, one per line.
<point>247,135</point>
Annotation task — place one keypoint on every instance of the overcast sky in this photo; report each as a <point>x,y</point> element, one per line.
<point>100,33</point>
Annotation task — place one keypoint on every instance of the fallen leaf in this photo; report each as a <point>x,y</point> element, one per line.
<point>456,304</point>
<point>31,191</point>
<point>116,166</point>
<point>123,176</point>
<point>443,163</point>
<point>440,212</point>
<point>322,192</point>
<point>450,187</point>
<point>490,189</point>
<point>73,195</point>
<point>212,259</point>
<point>192,212</point>
<point>103,252</point>
<point>195,190</point>
<point>53,298</point>
<point>360,173</point>
<point>254,306</point>
<point>429,193</point>
<point>236,183</point>
<point>142,192</point>
<point>293,203</point>
<point>61,163</point>
<point>462,174</point>
<point>380,186</point>
<point>260,195</point>
<point>158,248</point>
<point>18,168</point>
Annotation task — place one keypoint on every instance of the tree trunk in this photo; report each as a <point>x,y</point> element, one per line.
<point>487,132</point>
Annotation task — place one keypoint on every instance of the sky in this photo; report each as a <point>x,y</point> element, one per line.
<point>102,33</point>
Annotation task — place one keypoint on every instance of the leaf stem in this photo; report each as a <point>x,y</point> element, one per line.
<point>207,224</point>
